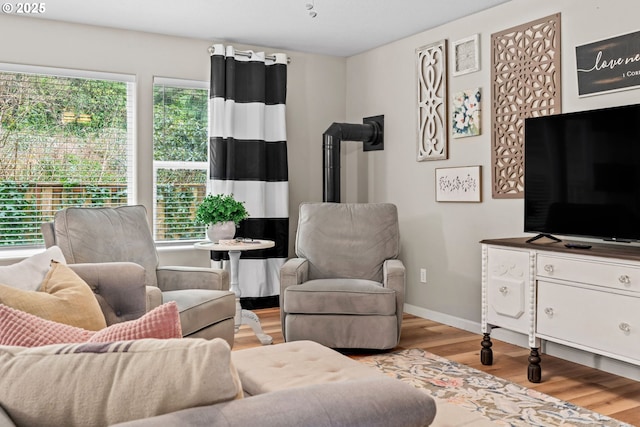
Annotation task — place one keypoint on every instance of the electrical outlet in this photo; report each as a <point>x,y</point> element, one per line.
<point>423,275</point>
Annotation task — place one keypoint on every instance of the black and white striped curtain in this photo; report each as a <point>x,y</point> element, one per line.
<point>248,158</point>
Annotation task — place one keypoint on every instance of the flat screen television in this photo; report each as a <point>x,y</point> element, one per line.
<point>582,174</point>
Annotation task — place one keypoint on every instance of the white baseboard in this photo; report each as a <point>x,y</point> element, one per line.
<point>591,360</point>
<point>447,319</point>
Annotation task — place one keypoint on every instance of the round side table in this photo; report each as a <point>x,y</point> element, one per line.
<point>235,248</point>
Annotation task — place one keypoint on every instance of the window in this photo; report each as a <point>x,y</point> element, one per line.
<point>180,135</point>
<point>65,140</point>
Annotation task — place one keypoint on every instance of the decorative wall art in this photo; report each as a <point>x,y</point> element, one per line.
<point>465,119</point>
<point>525,70</point>
<point>609,65</point>
<point>466,55</point>
<point>460,184</point>
<point>431,64</point>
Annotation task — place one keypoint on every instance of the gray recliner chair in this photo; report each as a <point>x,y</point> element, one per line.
<point>346,288</point>
<point>122,234</point>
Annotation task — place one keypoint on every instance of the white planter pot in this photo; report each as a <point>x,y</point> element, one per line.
<point>221,231</point>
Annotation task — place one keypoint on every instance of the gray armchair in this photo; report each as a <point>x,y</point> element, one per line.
<point>346,288</point>
<point>97,235</point>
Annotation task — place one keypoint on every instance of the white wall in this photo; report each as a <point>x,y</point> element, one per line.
<point>316,92</point>
<point>443,237</point>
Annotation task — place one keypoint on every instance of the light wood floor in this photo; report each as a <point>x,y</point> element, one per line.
<point>608,394</point>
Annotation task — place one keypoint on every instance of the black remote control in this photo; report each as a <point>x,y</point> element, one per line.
<point>577,245</point>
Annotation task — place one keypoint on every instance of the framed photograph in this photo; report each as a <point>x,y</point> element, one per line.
<point>458,184</point>
<point>465,117</point>
<point>466,55</point>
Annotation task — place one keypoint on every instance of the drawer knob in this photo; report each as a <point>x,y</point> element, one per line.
<point>504,290</point>
<point>624,279</point>
<point>625,327</point>
<point>548,268</point>
<point>548,311</point>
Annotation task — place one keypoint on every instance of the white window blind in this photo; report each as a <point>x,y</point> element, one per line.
<point>180,136</point>
<point>66,139</point>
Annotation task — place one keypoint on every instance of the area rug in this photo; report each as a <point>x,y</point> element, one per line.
<point>491,398</point>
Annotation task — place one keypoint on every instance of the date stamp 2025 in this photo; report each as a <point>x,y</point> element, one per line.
<point>24,8</point>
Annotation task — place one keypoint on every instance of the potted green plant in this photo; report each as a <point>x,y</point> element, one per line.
<point>222,213</point>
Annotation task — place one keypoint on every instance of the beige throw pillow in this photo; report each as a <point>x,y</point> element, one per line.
<point>99,384</point>
<point>63,297</point>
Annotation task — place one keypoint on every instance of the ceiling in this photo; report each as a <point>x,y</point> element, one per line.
<point>341,27</point>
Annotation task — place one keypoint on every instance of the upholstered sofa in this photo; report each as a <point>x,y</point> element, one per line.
<point>197,382</point>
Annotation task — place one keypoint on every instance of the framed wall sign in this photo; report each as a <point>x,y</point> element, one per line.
<point>459,184</point>
<point>466,55</point>
<point>609,65</point>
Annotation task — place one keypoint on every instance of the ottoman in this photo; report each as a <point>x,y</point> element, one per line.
<point>295,364</point>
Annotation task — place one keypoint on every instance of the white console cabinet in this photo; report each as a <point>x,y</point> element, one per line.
<point>583,298</point>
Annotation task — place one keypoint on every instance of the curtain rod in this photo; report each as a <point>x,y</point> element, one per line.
<point>247,54</point>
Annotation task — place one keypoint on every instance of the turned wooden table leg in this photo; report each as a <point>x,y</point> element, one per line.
<point>534,373</point>
<point>486,354</point>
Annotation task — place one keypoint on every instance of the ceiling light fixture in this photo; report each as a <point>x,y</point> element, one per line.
<point>310,7</point>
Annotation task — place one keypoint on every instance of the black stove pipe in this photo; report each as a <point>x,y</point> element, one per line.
<point>331,139</point>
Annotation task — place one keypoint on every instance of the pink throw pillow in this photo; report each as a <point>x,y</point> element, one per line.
<point>162,322</point>
<point>27,330</point>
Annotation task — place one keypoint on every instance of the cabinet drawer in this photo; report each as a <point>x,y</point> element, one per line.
<point>594,272</point>
<point>599,320</point>
<point>507,289</point>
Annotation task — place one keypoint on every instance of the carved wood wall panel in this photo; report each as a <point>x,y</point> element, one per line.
<point>431,64</point>
<point>525,71</point>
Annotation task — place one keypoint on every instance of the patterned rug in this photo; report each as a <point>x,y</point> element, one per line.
<point>495,399</point>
